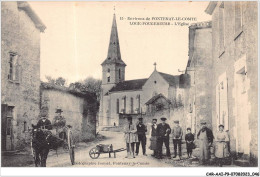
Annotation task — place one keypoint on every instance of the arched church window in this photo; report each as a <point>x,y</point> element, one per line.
<point>117,106</point>
<point>119,73</point>
<point>108,75</point>
<point>132,105</point>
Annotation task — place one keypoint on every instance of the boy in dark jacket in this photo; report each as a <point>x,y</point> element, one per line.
<point>189,138</point>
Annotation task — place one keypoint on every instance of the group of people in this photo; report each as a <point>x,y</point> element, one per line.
<point>135,134</point>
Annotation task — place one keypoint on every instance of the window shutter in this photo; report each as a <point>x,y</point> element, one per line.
<point>225,104</point>
<point>217,105</point>
<point>17,72</point>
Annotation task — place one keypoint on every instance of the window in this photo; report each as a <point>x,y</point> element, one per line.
<point>108,75</point>
<point>125,104</point>
<point>117,106</point>
<point>238,18</point>
<point>139,103</point>
<point>119,73</point>
<point>24,126</point>
<point>221,27</point>
<point>14,68</point>
<point>123,110</point>
<point>132,105</point>
<point>9,120</point>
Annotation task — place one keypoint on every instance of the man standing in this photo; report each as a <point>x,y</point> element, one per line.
<point>177,138</point>
<point>141,130</point>
<point>205,137</point>
<point>163,131</point>
<point>154,138</point>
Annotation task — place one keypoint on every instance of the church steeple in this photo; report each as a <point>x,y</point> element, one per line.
<point>114,55</point>
<point>113,67</point>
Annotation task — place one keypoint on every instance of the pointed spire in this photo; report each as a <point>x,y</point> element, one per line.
<point>114,55</point>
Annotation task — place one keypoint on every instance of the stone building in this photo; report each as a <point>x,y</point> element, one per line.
<point>20,72</point>
<point>199,68</point>
<point>159,95</point>
<point>79,109</point>
<point>235,85</point>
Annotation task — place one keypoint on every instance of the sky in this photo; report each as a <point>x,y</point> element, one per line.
<point>76,40</point>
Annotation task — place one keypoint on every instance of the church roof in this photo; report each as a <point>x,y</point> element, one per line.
<point>114,55</point>
<point>154,98</point>
<point>171,79</point>
<point>129,85</point>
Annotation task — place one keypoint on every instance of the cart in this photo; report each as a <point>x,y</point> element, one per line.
<point>67,144</point>
<point>95,152</point>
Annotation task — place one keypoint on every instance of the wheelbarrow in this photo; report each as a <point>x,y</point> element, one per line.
<point>95,152</point>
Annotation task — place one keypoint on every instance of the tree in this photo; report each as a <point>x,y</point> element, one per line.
<point>90,84</point>
<point>93,86</point>
<point>50,80</point>
<point>60,81</point>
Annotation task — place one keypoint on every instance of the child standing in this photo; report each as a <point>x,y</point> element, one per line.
<point>189,138</point>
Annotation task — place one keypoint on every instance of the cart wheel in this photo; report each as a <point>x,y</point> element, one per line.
<point>71,147</point>
<point>94,153</point>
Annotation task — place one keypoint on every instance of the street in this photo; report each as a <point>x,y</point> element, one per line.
<point>82,158</point>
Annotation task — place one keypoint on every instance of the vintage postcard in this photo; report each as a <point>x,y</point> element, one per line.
<point>130,84</point>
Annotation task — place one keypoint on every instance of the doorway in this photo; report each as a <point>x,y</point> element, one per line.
<point>242,119</point>
<point>7,115</point>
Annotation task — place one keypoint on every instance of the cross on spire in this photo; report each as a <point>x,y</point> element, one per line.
<point>154,65</point>
<point>114,9</point>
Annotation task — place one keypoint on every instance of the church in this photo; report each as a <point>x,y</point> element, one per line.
<point>160,95</point>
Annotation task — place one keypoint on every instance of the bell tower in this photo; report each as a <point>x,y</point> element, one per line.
<point>113,72</point>
<point>113,68</point>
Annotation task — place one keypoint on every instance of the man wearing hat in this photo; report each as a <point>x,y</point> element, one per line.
<point>163,131</point>
<point>44,123</point>
<point>154,137</point>
<point>141,130</point>
<point>205,137</point>
<point>59,123</point>
<point>177,138</point>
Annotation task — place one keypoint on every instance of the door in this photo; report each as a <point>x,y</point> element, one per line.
<point>243,133</point>
<point>3,125</point>
<point>7,127</point>
<point>9,132</point>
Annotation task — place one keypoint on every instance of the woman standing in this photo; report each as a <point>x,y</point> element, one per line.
<point>189,138</point>
<point>221,148</point>
<point>130,137</point>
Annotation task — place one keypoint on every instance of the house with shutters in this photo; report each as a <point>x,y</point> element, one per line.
<point>20,72</point>
<point>160,95</point>
<point>234,76</point>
